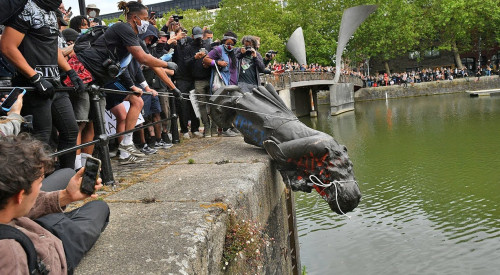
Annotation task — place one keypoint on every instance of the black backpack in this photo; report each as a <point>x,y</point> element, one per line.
<point>88,39</point>
<point>34,265</point>
<point>10,8</point>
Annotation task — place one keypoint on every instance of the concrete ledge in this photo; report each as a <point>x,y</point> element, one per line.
<point>182,231</point>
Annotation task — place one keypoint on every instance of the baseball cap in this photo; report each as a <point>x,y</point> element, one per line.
<point>197,32</point>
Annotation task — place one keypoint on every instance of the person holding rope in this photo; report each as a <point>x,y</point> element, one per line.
<point>30,43</point>
<point>114,50</point>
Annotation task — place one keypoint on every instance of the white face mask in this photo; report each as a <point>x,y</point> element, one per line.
<point>143,27</point>
<point>82,31</point>
<point>92,14</point>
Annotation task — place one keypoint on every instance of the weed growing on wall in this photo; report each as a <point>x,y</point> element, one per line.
<point>245,241</point>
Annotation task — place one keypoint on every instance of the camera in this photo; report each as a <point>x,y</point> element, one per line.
<point>248,50</point>
<point>177,17</point>
<point>270,53</point>
<point>112,67</point>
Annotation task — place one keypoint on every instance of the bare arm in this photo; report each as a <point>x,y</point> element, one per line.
<point>68,50</point>
<point>11,39</point>
<point>160,72</point>
<point>142,57</point>
<point>62,62</point>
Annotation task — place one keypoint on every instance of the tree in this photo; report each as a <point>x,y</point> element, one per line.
<point>249,17</point>
<point>390,32</point>
<point>461,25</point>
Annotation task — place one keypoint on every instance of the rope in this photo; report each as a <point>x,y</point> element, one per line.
<point>319,183</point>
<point>239,109</point>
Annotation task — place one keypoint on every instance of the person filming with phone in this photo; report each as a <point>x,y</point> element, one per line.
<point>59,238</point>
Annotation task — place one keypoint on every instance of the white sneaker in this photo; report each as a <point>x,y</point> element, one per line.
<point>131,150</point>
<point>229,133</point>
<point>186,135</point>
<point>197,134</point>
<point>130,160</point>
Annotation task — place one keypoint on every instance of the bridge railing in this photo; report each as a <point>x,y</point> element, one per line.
<point>284,80</point>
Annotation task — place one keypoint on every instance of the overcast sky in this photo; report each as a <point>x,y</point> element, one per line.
<point>106,6</point>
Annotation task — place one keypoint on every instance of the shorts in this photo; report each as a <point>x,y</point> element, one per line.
<point>81,105</point>
<point>151,105</point>
<point>114,99</point>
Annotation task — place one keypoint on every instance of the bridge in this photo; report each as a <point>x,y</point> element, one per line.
<point>299,90</point>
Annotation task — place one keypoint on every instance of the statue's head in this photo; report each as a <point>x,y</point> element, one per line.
<point>331,167</point>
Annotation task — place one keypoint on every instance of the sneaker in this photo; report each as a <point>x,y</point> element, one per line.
<point>162,145</point>
<point>236,131</point>
<point>148,150</point>
<point>228,133</point>
<point>186,135</point>
<point>130,160</point>
<point>197,134</point>
<point>207,133</point>
<point>131,150</point>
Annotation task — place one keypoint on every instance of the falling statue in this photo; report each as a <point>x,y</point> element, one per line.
<point>306,158</point>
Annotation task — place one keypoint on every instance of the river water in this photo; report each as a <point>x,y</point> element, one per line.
<point>429,171</point>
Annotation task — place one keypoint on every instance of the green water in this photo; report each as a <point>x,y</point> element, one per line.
<point>428,168</point>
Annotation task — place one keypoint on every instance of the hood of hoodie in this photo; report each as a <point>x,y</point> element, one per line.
<point>150,31</point>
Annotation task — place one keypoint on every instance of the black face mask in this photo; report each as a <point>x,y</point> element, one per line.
<point>48,5</point>
<point>160,47</point>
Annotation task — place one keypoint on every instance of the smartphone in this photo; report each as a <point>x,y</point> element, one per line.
<point>153,15</point>
<point>90,175</point>
<point>12,98</point>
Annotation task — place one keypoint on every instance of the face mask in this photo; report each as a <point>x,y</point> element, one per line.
<point>228,48</point>
<point>143,27</point>
<point>92,14</point>
<point>82,31</point>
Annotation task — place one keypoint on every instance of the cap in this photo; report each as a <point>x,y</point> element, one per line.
<point>162,34</point>
<point>70,34</point>
<point>92,6</point>
<point>60,18</point>
<point>197,32</point>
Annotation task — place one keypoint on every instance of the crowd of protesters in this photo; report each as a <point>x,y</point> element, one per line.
<point>424,75</point>
<point>384,79</point>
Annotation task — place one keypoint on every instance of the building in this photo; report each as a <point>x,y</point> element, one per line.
<point>165,7</point>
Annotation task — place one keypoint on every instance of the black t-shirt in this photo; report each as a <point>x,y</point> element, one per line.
<point>247,71</point>
<point>114,41</point>
<point>117,38</point>
<point>39,46</point>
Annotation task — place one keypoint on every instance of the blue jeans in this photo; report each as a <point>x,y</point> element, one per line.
<point>58,113</point>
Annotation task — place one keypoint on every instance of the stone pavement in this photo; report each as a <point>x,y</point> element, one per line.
<point>169,216</point>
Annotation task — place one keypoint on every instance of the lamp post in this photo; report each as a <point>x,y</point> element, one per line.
<point>81,4</point>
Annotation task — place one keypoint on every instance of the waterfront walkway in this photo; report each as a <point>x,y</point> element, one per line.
<point>169,215</point>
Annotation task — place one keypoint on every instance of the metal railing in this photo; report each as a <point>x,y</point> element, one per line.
<point>284,80</point>
<point>101,138</point>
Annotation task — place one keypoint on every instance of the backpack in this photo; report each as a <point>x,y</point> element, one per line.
<point>88,39</point>
<point>34,265</point>
<point>10,8</point>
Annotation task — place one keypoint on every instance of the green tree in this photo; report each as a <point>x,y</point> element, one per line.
<point>249,17</point>
<point>464,25</point>
<point>390,32</point>
<point>320,21</point>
